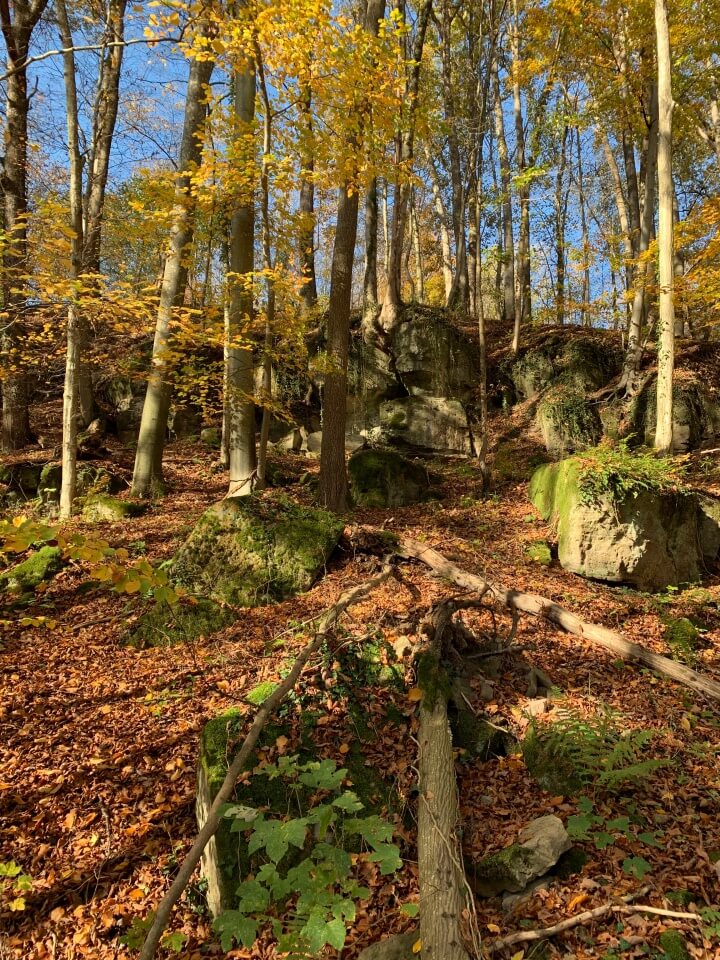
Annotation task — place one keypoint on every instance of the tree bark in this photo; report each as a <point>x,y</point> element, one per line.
<point>666,332</point>
<point>508,247</point>
<point>17,28</point>
<point>306,240</point>
<point>560,222</point>
<point>370,280</point>
<point>543,607</point>
<point>147,475</point>
<point>404,154</point>
<point>241,406</point>
<point>73,357</point>
<point>441,877</point>
<point>333,487</point>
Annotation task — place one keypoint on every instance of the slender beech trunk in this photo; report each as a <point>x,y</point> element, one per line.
<point>147,476</point>
<point>622,209</point>
<point>634,346</point>
<point>308,290</point>
<point>73,357</point>
<point>442,219</point>
<point>510,315</point>
<point>419,280</point>
<point>584,236</point>
<point>370,280</point>
<point>666,331</point>
<point>105,113</point>
<point>459,293</point>
<point>17,25</point>
<point>560,219</point>
<point>333,489</point>
<point>404,154</point>
<point>522,272</point>
<point>241,406</point>
<point>269,266</point>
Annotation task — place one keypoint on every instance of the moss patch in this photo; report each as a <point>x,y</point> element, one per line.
<point>539,552</point>
<point>27,575</point>
<point>568,421</point>
<point>552,771</point>
<point>163,625</point>
<point>683,638</point>
<point>102,508</point>
<point>673,945</point>
<point>506,870</point>
<point>384,478</point>
<point>255,550</point>
<point>259,694</point>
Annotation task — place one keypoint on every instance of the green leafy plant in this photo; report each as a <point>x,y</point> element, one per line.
<point>13,884</point>
<point>595,751</point>
<point>308,902</point>
<point>603,832</point>
<point>617,470</point>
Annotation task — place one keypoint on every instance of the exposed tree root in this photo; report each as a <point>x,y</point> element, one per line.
<point>540,606</point>
<point>268,708</point>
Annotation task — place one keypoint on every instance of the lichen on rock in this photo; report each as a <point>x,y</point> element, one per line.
<point>384,478</point>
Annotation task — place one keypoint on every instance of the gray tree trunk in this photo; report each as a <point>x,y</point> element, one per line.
<point>147,475</point>
<point>666,331</point>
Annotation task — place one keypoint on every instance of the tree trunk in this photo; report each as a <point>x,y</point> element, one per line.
<point>17,28</point>
<point>404,155</point>
<point>440,873</point>
<point>308,290</point>
<point>370,280</point>
<point>419,280</point>
<point>666,332</point>
<point>560,218</point>
<point>241,406</point>
<point>523,251</point>
<point>442,218</point>
<point>508,246</point>
<point>333,489</point>
<point>622,208</point>
<point>104,120</point>
<point>147,475</point>
<point>73,358</point>
<point>268,264</point>
<point>585,239</point>
<point>634,347</point>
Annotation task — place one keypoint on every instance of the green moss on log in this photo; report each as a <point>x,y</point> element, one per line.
<point>164,625</point>
<point>38,567</point>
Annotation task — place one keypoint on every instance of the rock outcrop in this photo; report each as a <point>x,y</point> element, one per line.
<point>650,541</point>
<point>384,478</point>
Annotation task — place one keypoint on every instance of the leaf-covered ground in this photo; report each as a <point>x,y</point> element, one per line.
<point>98,741</point>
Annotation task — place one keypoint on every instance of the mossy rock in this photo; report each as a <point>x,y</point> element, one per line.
<point>649,541</point>
<point>568,420</point>
<point>673,946</point>
<point>539,552</point>
<point>683,638</point>
<point>102,508</point>
<point>534,370</point>
<point>227,859</point>
<point>24,577</point>
<point>211,437</point>
<point>384,478</point>
<point>548,767</point>
<point>590,362</point>
<point>254,550</point>
<point>164,625</point>
<point>691,419</point>
<point>90,479</point>
<point>22,478</point>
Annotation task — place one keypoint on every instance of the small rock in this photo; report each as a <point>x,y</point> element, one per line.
<point>536,707</point>
<point>104,509</point>
<point>511,901</point>
<point>399,947</point>
<point>539,847</point>
<point>211,437</point>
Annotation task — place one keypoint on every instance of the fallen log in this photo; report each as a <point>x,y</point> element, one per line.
<point>441,878</point>
<point>536,605</point>
<point>267,709</point>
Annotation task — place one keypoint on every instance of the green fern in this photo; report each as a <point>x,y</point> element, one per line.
<point>595,751</point>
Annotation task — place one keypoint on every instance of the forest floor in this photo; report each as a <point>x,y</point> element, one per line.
<point>99,741</point>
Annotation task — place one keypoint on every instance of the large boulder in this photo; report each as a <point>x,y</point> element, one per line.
<point>650,540</point>
<point>184,421</point>
<point>434,358</point>
<point>102,508</point>
<point>22,478</point>
<point>90,479</point>
<point>585,361</point>
<point>384,478</point>
<point>248,551</point>
<point>540,845</point>
<point>568,420</point>
<point>694,414</point>
<point>433,424</point>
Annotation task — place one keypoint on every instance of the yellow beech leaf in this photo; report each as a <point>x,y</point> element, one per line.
<point>518,956</point>
<point>493,927</point>
<point>417,946</point>
<point>415,694</point>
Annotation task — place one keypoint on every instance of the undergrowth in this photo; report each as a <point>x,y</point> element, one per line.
<point>617,470</point>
